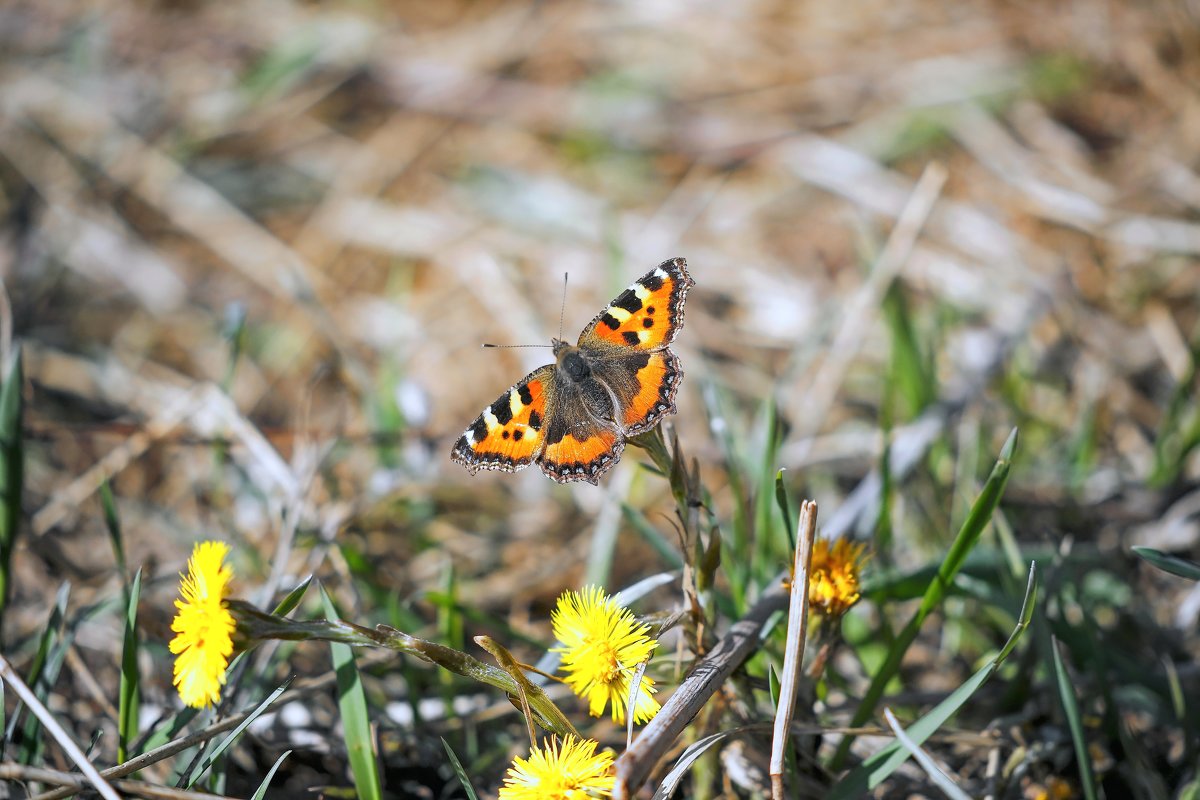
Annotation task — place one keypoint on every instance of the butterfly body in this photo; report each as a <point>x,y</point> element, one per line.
<point>572,417</point>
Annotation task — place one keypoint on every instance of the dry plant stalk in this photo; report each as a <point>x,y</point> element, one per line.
<point>797,633</point>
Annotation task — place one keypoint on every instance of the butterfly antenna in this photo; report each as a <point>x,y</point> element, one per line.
<point>506,346</point>
<point>563,308</point>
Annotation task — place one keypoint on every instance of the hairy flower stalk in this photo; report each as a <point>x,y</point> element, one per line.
<point>211,627</point>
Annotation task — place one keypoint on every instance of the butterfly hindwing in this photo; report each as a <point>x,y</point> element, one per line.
<point>644,385</point>
<point>647,315</point>
<point>508,435</point>
<point>579,445</point>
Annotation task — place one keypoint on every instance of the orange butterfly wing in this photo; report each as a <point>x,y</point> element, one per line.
<point>583,454</point>
<point>649,314</point>
<point>508,434</point>
<point>656,380</point>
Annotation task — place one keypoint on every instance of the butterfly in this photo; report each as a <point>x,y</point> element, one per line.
<point>573,417</point>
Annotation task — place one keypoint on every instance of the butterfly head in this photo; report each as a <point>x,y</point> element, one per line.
<point>571,361</point>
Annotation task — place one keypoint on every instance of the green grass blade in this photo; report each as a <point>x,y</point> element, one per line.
<point>356,724</point>
<point>113,523</point>
<point>781,499</point>
<point>12,471</point>
<point>261,791</point>
<point>1066,691</point>
<point>972,528</point>
<point>43,673</point>
<point>1169,563</point>
<point>876,769</point>
<point>460,772</point>
<point>932,770</point>
<point>224,744</point>
<point>130,692</point>
<point>910,371</point>
<point>667,550</point>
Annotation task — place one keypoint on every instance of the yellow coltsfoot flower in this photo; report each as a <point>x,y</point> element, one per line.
<point>203,627</point>
<point>572,771</point>
<point>602,644</point>
<point>833,576</point>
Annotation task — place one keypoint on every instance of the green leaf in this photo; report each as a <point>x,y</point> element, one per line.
<point>128,703</point>
<point>864,778</point>
<point>1169,563</point>
<point>12,472</point>
<point>1066,691</point>
<point>968,535</point>
<point>261,791</point>
<point>356,724</point>
<point>289,603</point>
<point>225,743</point>
<point>460,772</point>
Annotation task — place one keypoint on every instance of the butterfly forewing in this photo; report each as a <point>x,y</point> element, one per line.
<point>647,315</point>
<point>508,434</point>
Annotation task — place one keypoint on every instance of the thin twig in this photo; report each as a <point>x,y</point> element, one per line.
<point>797,633</point>
<point>24,772</point>
<point>56,731</point>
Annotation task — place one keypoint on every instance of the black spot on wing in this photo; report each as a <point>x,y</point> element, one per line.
<point>647,323</point>
<point>502,409</point>
<point>652,282</point>
<point>479,430</point>
<point>518,435</point>
<point>650,310</point>
<point>462,444</point>
<point>525,394</point>
<point>535,420</point>
<point>638,361</point>
<point>628,301</point>
<point>631,337</point>
<point>555,431</point>
<point>612,322</point>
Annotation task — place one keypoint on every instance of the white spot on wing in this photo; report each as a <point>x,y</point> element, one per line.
<point>641,291</point>
<point>619,314</point>
<point>490,419</point>
<point>514,402</point>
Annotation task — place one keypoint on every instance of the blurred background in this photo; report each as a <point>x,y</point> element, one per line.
<point>250,251</point>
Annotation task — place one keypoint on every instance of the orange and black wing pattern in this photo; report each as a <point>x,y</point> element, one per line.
<point>578,446</point>
<point>647,315</point>
<point>650,395</point>
<point>508,435</point>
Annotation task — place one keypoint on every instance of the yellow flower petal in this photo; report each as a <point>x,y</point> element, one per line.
<point>833,577</point>
<point>203,626</point>
<point>602,644</point>
<point>574,771</point>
